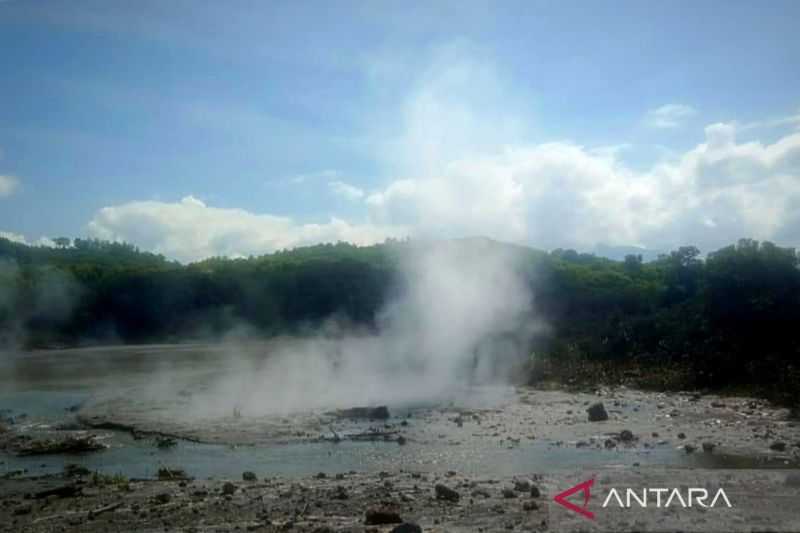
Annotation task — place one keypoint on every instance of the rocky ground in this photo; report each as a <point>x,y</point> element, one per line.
<point>689,421</point>
<point>402,502</point>
<point>399,502</point>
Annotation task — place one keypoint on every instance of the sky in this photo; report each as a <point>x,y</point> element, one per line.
<point>196,129</point>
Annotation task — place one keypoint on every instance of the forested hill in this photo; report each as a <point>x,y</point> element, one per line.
<point>731,317</point>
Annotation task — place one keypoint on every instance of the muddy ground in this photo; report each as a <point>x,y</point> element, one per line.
<point>732,425</point>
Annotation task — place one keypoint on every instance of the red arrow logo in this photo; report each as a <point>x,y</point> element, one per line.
<point>585,488</point>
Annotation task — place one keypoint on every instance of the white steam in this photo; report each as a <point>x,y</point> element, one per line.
<point>464,316</point>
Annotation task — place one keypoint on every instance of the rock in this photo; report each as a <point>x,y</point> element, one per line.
<point>23,510</point>
<point>610,444</point>
<point>401,440</point>
<point>73,470</point>
<point>689,448</point>
<point>530,506</point>
<point>165,442</point>
<point>483,493</point>
<point>778,446</point>
<point>65,491</point>
<point>708,447</point>
<point>163,498</point>
<point>166,474</point>
<point>717,405</point>
<point>380,412</point>
<point>626,435</point>
<point>407,527</point>
<point>681,435</point>
<point>68,445</point>
<point>522,485</point>
<point>228,488</point>
<point>597,412</point>
<point>249,476</point>
<point>339,493</point>
<point>508,492</point>
<point>377,516</point>
<point>444,492</point>
<point>535,492</point>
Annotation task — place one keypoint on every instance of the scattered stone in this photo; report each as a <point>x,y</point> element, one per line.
<point>377,516</point>
<point>609,443</point>
<point>778,446</point>
<point>401,440</point>
<point>163,498</point>
<point>407,527</point>
<point>626,435</point>
<point>340,493</point>
<point>166,474</point>
<point>444,492</point>
<point>508,492</point>
<point>689,448</point>
<point>597,412</point>
<point>535,492</point>
<point>530,506</point>
<point>681,435</point>
<point>164,443</point>
<point>249,476</point>
<point>228,488</point>
<point>483,493</point>
<point>718,405</point>
<point>708,447</point>
<point>522,485</point>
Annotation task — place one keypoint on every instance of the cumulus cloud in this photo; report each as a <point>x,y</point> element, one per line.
<point>346,190</point>
<point>190,230</point>
<point>669,115</point>
<point>564,194</point>
<point>8,185</point>
<point>459,144</point>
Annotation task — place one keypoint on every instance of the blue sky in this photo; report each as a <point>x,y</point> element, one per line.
<point>201,128</point>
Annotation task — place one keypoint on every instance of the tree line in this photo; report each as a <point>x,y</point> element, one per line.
<point>729,317</point>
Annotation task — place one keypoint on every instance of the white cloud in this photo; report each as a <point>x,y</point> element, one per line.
<point>464,164</point>
<point>190,230</point>
<point>346,190</point>
<point>8,185</point>
<point>563,194</point>
<point>669,115</point>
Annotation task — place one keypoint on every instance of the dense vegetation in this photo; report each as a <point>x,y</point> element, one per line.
<point>726,320</point>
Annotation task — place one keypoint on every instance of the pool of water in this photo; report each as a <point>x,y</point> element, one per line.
<point>142,459</point>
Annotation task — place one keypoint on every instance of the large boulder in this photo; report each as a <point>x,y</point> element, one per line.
<point>597,412</point>
<point>443,492</point>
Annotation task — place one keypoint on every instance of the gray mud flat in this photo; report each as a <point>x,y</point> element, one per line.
<point>479,443</point>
